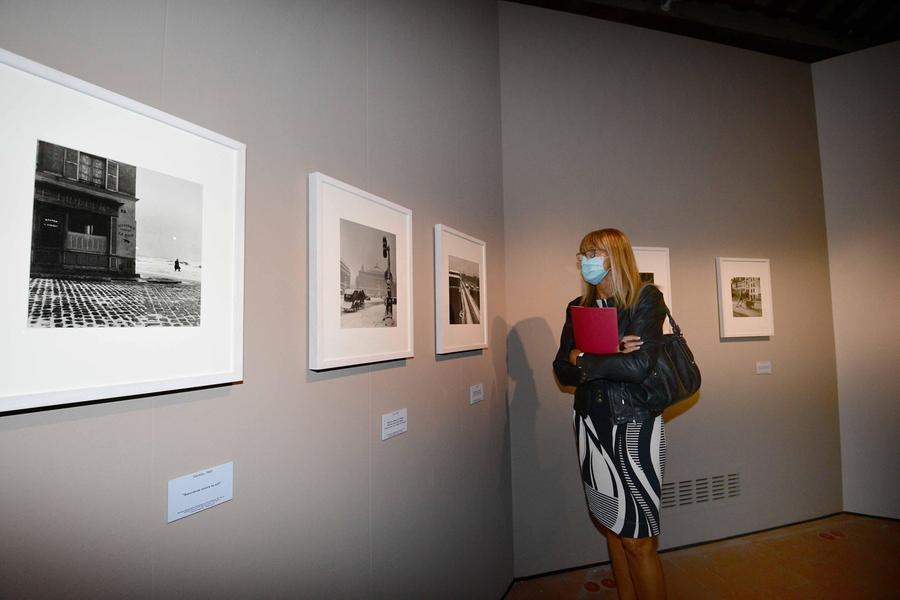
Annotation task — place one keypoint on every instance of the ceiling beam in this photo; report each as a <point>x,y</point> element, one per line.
<point>661,21</point>
<point>814,31</point>
<point>808,11</point>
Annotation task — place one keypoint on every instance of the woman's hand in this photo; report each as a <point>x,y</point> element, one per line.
<point>573,356</point>
<point>630,343</point>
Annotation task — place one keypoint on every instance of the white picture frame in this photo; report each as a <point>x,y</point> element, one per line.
<point>653,264</point>
<point>77,353</point>
<point>745,297</point>
<point>460,291</point>
<point>352,277</point>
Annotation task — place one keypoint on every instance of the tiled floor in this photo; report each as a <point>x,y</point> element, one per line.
<point>841,557</point>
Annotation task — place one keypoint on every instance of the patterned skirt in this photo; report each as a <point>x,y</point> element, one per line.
<point>622,469</point>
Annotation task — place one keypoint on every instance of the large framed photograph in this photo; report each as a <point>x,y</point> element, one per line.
<point>460,291</point>
<point>123,236</point>
<point>745,297</point>
<point>653,264</point>
<point>360,276</point>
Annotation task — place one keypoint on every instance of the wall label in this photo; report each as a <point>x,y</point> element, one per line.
<point>198,491</point>
<point>393,424</point>
<point>476,393</point>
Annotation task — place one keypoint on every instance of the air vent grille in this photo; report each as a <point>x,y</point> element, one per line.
<point>685,493</point>
<point>718,487</point>
<point>703,490</point>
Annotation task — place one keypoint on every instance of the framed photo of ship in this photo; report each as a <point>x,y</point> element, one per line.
<point>460,291</point>
<point>745,297</point>
<point>360,276</point>
<point>123,230</point>
<point>653,264</point>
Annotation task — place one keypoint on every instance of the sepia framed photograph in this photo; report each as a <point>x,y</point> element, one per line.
<point>124,244</point>
<point>745,297</point>
<point>653,264</point>
<point>460,291</point>
<point>360,276</point>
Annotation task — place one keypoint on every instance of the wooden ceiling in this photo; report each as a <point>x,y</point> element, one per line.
<point>804,30</point>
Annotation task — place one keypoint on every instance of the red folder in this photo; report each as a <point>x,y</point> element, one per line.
<point>596,329</point>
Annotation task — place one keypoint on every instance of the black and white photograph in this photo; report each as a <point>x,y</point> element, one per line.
<point>115,216</point>
<point>746,297</point>
<point>460,291</point>
<point>112,244</point>
<point>464,291</point>
<point>368,276</point>
<point>360,276</point>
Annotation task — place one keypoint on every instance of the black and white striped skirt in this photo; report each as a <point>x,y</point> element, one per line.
<point>622,468</point>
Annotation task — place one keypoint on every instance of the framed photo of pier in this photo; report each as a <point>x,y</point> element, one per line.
<point>653,264</point>
<point>124,245</point>
<point>360,276</point>
<point>745,297</point>
<point>460,291</point>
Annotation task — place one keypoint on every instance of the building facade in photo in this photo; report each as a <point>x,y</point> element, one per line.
<point>372,281</point>
<point>84,214</point>
<point>345,276</point>
<point>746,286</point>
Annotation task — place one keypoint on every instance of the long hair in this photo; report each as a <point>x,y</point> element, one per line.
<point>623,272</point>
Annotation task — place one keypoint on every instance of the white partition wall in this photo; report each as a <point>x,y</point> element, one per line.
<point>857,99</point>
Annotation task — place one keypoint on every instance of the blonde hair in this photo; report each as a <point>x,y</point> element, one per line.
<point>624,277</point>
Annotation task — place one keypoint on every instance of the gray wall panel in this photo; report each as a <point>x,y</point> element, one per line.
<point>400,98</point>
<point>709,151</point>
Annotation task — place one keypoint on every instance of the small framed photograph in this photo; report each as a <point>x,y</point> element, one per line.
<point>653,264</point>
<point>745,297</point>
<point>460,291</point>
<point>360,276</point>
<point>123,232</point>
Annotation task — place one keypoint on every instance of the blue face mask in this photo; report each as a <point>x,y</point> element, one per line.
<point>592,269</point>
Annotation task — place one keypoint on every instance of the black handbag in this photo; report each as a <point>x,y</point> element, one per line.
<point>676,375</point>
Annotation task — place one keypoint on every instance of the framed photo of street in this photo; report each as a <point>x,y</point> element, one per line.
<point>460,291</point>
<point>745,297</point>
<point>653,264</point>
<point>123,231</point>
<point>360,276</point>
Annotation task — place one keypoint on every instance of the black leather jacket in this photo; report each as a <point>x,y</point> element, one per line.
<point>609,385</point>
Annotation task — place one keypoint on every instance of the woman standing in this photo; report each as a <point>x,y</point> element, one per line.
<point>621,446</point>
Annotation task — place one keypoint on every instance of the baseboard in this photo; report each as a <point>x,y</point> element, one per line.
<point>694,545</point>
<point>859,514</point>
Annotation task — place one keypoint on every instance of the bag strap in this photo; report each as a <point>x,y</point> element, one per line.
<point>675,328</point>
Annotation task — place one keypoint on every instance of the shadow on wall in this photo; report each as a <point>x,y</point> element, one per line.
<point>542,440</point>
<point>676,410</point>
<point>503,484</point>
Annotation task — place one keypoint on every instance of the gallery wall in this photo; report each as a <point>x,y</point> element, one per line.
<point>399,98</point>
<point>857,100</point>
<point>706,150</point>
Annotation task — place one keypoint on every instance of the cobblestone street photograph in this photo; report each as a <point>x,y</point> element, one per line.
<point>118,303</point>
<point>112,244</point>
